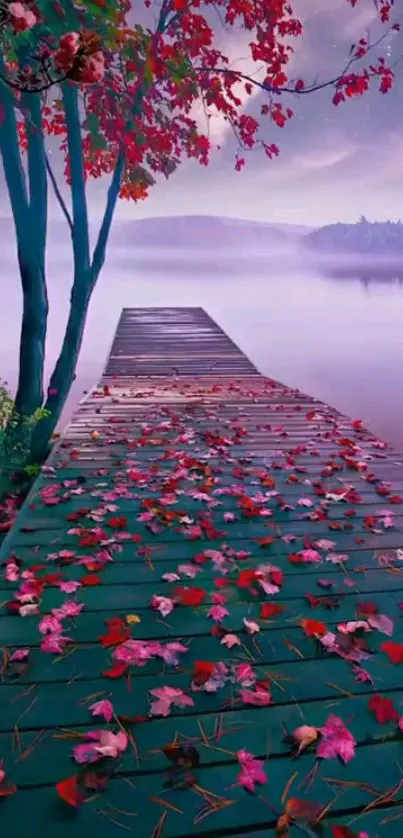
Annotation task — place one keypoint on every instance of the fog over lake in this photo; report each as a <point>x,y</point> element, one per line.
<point>334,332</point>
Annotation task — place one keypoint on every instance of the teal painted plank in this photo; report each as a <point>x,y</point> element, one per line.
<point>42,757</point>
<point>65,704</point>
<point>133,507</point>
<point>274,646</point>
<point>186,621</point>
<point>53,519</point>
<point>135,571</point>
<point>344,541</point>
<point>121,597</point>
<point>137,800</point>
<point>91,479</point>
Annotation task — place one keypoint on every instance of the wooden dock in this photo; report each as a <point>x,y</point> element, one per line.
<point>209,567</point>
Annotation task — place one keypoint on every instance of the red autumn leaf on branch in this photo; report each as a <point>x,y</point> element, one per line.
<point>383,709</point>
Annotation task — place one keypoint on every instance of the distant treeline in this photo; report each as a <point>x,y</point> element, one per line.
<point>377,237</point>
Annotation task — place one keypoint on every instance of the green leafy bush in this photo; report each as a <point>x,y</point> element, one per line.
<point>15,444</point>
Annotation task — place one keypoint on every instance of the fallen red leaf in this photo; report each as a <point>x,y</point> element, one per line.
<point>90,580</point>
<point>94,782</point>
<point>314,601</point>
<point>68,791</point>
<point>190,596</point>
<point>383,709</point>
<point>246,578</point>
<point>342,832</point>
<point>221,582</point>
<point>51,579</point>
<point>115,636</point>
<point>116,670</point>
<point>118,522</point>
<point>295,558</point>
<point>366,609</point>
<point>265,542</point>
<point>7,789</point>
<point>313,627</point>
<point>393,650</point>
<point>276,577</point>
<point>269,609</point>
<point>202,672</point>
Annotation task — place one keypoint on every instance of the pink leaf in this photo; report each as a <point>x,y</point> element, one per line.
<point>251,626</point>
<point>102,708</point>
<point>381,622</point>
<point>336,740</point>
<point>20,655</point>
<point>258,697</point>
<point>252,772</point>
<point>218,613</point>
<point>230,640</point>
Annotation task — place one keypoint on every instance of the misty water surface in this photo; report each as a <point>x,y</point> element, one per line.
<point>337,337</point>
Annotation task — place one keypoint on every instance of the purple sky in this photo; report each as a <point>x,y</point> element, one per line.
<point>335,163</point>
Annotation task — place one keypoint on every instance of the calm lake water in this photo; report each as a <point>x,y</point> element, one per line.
<point>339,338</point>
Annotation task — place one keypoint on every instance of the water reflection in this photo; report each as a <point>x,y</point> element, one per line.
<point>365,274</point>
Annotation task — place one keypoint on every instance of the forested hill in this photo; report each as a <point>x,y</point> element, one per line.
<point>365,237</point>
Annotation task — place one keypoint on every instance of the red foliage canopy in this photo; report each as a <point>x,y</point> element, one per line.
<point>144,85</point>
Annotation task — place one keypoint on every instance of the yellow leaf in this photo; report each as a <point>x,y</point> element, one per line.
<point>132,618</point>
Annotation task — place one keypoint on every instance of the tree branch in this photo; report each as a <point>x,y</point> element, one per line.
<point>113,194</point>
<point>59,195</point>
<point>303,91</point>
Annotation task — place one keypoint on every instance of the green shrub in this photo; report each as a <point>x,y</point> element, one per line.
<point>15,444</point>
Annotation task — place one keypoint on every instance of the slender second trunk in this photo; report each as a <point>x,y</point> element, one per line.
<point>63,374</point>
<point>83,286</point>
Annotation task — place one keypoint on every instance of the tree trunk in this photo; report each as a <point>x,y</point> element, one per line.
<point>29,215</point>
<point>63,374</point>
<point>29,395</point>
